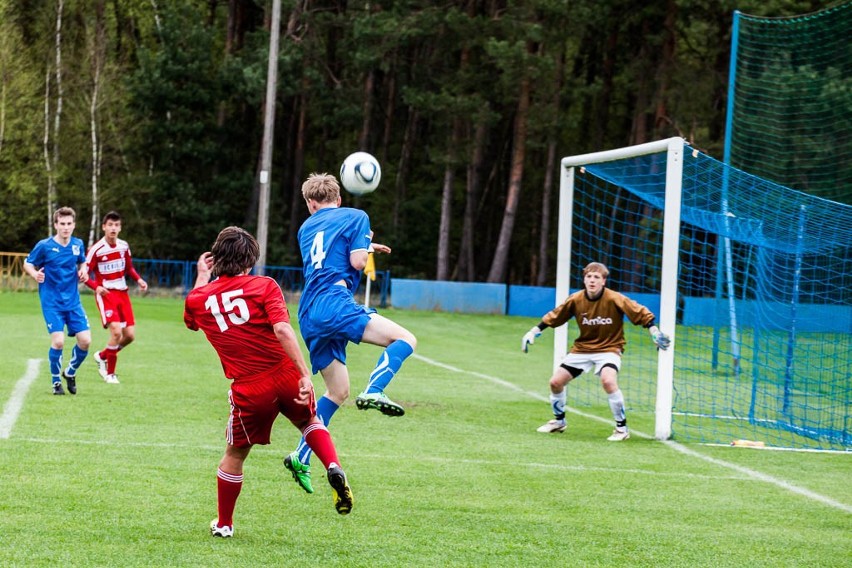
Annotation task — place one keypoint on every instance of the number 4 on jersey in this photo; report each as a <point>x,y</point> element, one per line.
<point>318,251</point>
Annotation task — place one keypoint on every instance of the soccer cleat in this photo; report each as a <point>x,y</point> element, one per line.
<point>380,402</point>
<point>72,382</point>
<point>619,436</point>
<point>102,366</point>
<point>301,472</point>
<point>552,427</point>
<point>111,379</point>
<point>224,532</point>
<point>340,489</point>
<point>57,388</point>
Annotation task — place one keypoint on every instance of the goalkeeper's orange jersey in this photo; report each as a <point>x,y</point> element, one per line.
<point>601,321</point>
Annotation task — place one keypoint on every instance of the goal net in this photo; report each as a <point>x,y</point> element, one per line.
<point>752,280</point>
<point>788,116</point>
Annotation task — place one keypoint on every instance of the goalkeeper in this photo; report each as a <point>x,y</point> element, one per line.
<point>600,316</point>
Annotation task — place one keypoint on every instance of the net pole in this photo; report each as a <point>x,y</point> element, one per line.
<point>791,338</point>
<point>732,84</point>
<point>729,273</point>
<point>724,250</point>
<point>668,288</point>
<point>563,257</point>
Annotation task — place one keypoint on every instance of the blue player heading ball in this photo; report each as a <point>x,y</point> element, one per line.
<point>335,243</point>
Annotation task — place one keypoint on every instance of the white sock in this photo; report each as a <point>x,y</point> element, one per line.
<point>616,404</point>
<point>557,404</point>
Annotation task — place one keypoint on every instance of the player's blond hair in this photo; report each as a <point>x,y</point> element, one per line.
<point>322,188</point>
<point>596,267</point>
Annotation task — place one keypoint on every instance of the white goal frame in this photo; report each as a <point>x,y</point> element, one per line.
<point>671,231</point>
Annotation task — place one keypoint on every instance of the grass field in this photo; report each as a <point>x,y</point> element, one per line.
<point>124,475</point>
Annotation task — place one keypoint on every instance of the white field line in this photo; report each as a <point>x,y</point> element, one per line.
<point>750,473</point>
<point>16,401</point>
<point>454,460</point>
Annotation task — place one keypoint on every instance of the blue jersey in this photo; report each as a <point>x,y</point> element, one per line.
<point>59,290</point>
<point>326,240</point>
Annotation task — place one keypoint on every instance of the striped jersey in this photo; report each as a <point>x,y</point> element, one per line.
<point>109,264</point>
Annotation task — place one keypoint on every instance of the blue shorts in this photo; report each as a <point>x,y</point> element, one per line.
<point>75,319</point>
<point>333,321</point>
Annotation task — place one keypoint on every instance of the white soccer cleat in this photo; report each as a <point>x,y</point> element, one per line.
<point>101,363</point>
<point>619,436</point>
<point>224,532</point>
<point>111,379</point>
<point>553,427</point>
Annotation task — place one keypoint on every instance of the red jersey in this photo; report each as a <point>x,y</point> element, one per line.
<point>237,313</point>
<point>109,264</point>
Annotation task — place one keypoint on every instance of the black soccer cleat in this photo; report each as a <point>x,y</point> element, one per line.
<point>341,492</point>
<point>71,381</point>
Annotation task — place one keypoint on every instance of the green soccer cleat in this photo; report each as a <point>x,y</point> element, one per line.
<point>301,472</point>
<point>380,402</point>
<point>340,490</point>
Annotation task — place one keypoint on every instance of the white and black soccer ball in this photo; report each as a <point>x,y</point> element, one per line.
<point>360,173</point>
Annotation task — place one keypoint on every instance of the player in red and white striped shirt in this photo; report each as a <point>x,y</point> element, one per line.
<point>110,263</point>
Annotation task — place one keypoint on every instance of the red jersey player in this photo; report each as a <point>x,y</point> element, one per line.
<point>246,320</point>
<point>110,263</point>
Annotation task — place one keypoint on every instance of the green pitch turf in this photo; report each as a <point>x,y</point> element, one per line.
<point>125,475</point>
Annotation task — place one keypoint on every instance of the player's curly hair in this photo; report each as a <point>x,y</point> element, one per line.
<point>234,251</point>
<point>322,188</point>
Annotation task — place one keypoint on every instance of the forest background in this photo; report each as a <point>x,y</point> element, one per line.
<point>155,108</point>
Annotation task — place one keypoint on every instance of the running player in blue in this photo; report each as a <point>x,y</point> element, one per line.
<point>334,242</point>
<point>58,263</point>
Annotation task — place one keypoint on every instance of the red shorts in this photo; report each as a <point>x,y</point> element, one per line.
<point>257,402</point>
<point>115,307</point>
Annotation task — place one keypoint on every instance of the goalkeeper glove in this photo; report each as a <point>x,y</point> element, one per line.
<point>530,337</point>
<point>661,340</point>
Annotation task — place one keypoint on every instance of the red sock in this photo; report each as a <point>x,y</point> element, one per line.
<point>317,437</point>
<point>229,486</point>
<point>111,359</point>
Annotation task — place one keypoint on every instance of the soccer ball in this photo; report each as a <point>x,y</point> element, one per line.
<point>360,173</point>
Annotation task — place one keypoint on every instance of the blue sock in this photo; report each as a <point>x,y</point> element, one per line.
<point>77,357</point>
<point>54,357</point>
<point>325,410</point>
<point>388,365</point>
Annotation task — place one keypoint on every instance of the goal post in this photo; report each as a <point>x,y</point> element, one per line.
<point>658,215</point>
<point>671,230</point>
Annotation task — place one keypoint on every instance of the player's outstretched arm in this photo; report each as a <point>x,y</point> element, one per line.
<point>661,340</point>
<point>287,338</point>
<point>530,337</point>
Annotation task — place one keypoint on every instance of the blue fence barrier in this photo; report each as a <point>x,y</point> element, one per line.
<point>462,297</point>
<point>178,276</point>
